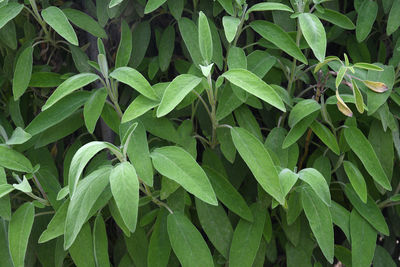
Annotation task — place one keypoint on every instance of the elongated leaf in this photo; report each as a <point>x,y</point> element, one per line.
<point>176,92</point>
<point>365,19</point>
<point>259,161</point>
<point>187,243</point>
<point>268,7</point>
<point>358,97</point>
<point>87,192</point>
<point>341,217</point>
<point>230,27</point>
<point>57,113</point>
<point>14,160</point>
<point>370,211</point>
<point>336,18</point>
<point>314,33</point>
<point>56,226</point>
<point>227,194</point>
<point>319,217</point>
<point>8,12</point>
<point>302,110</point>
<point>125,189</point>
<point>23,72</point>
<point>138,107</point>
<point>140,42</point>
<point>356,180</point>
<point>159,245</point>
<point>153,5</point>
<point>364,151</point>
<point>251,83</point>
<point>19,231</point>
<point>85,22</point>
<point>93,108</point>
<point>100,242</point>
<point>287,179</point>
<point>205,39</point>
<point>317,182</point>
<point>393,23</point>
<point>5,189</point>
<point>81,158</point>
<point>382,258</point>
<point>134,79</point>
<point>125,46</point>
<point>298,130</point>
<point>217,226</point>
<point>188,31</point>
<point>70,85</point>
<point>166,47</point>
<point>19,136</point>
<point>81,250</point>
<point>59,22</point>
<point>326,136</point>
<point>246,238</point>
<point>363,240</point>
<point>278,37</point>
<point>178,165</point>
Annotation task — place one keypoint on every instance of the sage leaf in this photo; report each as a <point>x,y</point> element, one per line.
<point>23,72</point>
<point>314,33</point>
<point>59,22</point>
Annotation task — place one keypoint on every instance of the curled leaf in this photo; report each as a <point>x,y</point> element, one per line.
<point>358,97</point>
<point>378,87</point>
<point>342,106</point>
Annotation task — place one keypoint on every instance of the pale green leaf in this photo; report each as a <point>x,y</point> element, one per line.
<point>314,33</point>
<point>14,160</point>
<point>326,136</point>
<point>317,182</point>
<point>100,242</point>
<point>85,22</point>
<point>59,22</point>
<point>9,11</point>
<point>125,46</point>
<point>356,179</point>
<point>23,72</point>
<point>230,27</point>
<point>302,110</point>
<point>205,38</point>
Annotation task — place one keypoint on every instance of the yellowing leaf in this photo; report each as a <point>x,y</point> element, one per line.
<point>378,87</point>
<point>342,106</point>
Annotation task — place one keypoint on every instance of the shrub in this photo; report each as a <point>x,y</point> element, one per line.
<point>199,133</point>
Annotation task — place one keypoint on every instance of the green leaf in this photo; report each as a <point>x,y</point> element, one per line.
<point>159,245</point>
<point>326,136</point>
<point>230,27</point>
<point>138,107</point>
<point>153,5</point>
<point>137,246</point>
<point>205,39</point>
<point>114,3</point>
<point>319,217</point>
<point>140,42</point>
<point>59,22</point>
<point>56,226</point>
<point>176,8</point>
<point>187,242</point>
<point>134,79</point>
<point>393,23</point>
<point>176,92</point>
<point>366,16</point>
<point>5,189</point>
<point>314,33</point>
<point>125,189</point>
<point>57,113</point>
<point>341,217</point>
<point>364,151</point>
<point>19,136</point>
<point>81,250</point>
<point>216,225</point>
<point>188,29</point>
<point>356,180</point>
<point>340,75</point>
<point>19,231</point>
<point>251,83</point>
<point>227,194</point>
<point>370,211</point>
<point>23,72</point>
<point>382,258</point>
<point>358,97</point>
<point>336,18</point>
<point>8,12</point>
<point>287,179</point>
<point>93,108</point>
<point>302,110</point>
<point>278,37</point>
<point>166,48</point>
<point>268,7</point>
<point>23,186</point>
<point>178,165</point>
<point>125,46</point>
<point>85,22</point>
<point>246,238</point>
<point>14,160</point>
<point>318,183</point>
<point>363,240</point>
<point>100,242</point>
<point>68,86</point>
<point>259,161</point>
<point>298,130</point>
<point>87,192</point>
<point>82,157</point>
<point>367,66</point>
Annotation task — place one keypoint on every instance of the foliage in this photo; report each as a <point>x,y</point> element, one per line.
<point>199,133</point>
